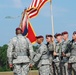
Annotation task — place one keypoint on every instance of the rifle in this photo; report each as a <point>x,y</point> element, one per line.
<point>69,47</point>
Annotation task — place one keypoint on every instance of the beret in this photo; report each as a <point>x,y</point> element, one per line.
<point>57,34</point>
<point>49,35</point>
<point>18,29</point>
<point>65,32</point>
<point>74,32</point>
<point>40,36</point>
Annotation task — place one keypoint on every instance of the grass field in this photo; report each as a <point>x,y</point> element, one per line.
<point>33,72</point>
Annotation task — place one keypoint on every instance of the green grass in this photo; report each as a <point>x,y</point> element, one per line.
<point>32,72</point>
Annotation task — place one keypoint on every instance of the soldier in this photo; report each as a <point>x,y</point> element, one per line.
<point>57,53</point>
<point>65,52</point>
<point>17,53</point>
<point>72,59</point>
<point>50,46</point>
<point>41,57</point>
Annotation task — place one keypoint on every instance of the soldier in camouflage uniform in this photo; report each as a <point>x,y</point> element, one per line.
<point>50,46</point>
<point>17,53</point>
<point>65,52</point>
<point>57,53</point>
<point>72,59</point>
<point>41,57</point>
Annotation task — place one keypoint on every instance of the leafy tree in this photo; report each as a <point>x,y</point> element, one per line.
<point>3,58</point>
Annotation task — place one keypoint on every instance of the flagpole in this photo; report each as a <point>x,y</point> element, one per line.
<point>52,20</point>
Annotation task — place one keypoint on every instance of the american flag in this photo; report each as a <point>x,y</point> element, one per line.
<point>35,7</point>
<point>24,25</point>
<point>31,12</point>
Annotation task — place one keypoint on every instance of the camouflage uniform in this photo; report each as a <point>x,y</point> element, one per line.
<point>17,54</point>
<point>57,59</point>
<point>66,50</point>
<point>50,47</point>
<point>42,61</point>
<point>72,58</point>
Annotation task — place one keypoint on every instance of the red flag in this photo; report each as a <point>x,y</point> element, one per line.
<point>27,29</point>
<point>31,34</point>
<point>35,7</point>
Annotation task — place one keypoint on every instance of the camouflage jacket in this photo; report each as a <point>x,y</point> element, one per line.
<point>58,50</point>
<point>41,57</point>
<point>72,58</point>
<point>50,48</point>
<point>17,50</point>
<point>66,49</point>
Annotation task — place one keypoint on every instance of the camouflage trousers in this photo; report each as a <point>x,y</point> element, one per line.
<point>65,69</point>
<point>51,70</point>
<point>74,68</point>
<point>44,70</point>
<point>21,69</point>
<point>57,68</point>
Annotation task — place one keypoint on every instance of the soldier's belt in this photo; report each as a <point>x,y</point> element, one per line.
<point>22,54</point>
<point>21,59</point>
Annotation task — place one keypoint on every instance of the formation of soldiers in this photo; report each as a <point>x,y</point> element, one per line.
<point>50,60</point>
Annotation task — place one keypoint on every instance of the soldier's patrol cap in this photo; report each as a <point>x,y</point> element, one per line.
<point>40,36</point>
<point>18,29</point>
<point>48,35</point>
<point>65,32</point>
<point>74,32</point>
<point>57,34</point>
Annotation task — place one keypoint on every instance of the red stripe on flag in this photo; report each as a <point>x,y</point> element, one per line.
<point>35,7</point>
<point>33,13</point>
<point>24,23</point>
<point>42,3</point>
<point>34,3</point>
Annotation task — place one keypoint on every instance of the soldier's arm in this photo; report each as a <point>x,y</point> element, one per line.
<point>30,48</point>
<point>41,51</point>
<point>56,54</point>
<point>9,52</point>
<point>56,51</point>
<point>68,54</point>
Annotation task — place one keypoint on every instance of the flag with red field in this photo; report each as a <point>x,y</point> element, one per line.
<point>27,29</point>
<point>31,33</point>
